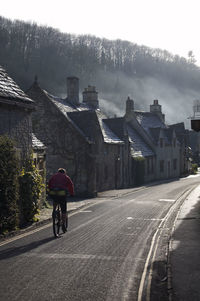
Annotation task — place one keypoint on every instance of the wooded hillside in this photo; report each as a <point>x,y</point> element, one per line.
<point>117,68</point>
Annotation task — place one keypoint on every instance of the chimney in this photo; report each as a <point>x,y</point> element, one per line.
<point>73,89</point>
<point>156,108</point>
<point>129,106</point>
<point>90,97</point>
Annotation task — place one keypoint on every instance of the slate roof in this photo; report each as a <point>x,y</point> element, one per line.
<point>65,105</point>
<point>108,135</point>
<point>10,91</point>
<point>153,125</point>
<point>180,131</point>
<point>87,119</point>
<point>178,127</point>
<point>36,143</point>
<point>90,122</point>
<point>117,126</point>
<point>149,120</point>
<point>139,148</point>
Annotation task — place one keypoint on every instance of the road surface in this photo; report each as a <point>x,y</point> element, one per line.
<point>114,250</point>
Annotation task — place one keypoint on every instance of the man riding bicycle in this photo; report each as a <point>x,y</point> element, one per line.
<point>59,184</point>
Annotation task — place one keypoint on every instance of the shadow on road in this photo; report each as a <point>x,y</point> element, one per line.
<point>16,251</point>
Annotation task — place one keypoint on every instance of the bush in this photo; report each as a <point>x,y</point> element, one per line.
<point>30,187</point>
<point>194,168</point>
<point>9,171</point>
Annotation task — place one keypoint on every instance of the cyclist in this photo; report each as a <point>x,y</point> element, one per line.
<point>59,184</point>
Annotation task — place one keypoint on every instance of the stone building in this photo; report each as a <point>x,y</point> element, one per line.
<point>78,139</point>
<point>183,136</point>
<point>102,153</point>
<point>151,139</point>
<point>15,114</point>
<point>165,161</point>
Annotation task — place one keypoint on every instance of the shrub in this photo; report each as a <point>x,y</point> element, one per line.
<point>30,187</point>
<point>9,171</point>
<point>194,168</point>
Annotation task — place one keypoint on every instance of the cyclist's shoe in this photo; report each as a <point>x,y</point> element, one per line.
<point>64,228</point>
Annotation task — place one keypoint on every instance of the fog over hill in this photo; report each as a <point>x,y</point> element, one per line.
<point>177,103</point>
<point>117,68</point>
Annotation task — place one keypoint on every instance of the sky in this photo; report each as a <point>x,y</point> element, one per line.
<point>172,25</point>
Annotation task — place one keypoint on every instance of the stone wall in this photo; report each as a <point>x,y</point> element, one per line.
<point>16,123</point>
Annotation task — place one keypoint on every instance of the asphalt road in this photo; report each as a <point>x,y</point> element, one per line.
<point>114,250</point>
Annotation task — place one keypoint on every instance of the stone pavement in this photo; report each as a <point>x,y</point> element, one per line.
<point>185,251</point>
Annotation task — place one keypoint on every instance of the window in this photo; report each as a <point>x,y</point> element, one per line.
<point>174,142</point>
<point>161,142</point>
<point>161,165</point>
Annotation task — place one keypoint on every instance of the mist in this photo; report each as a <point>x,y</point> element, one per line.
<point>177,103</point>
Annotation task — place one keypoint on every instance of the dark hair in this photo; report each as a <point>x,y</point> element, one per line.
<point>61,170</point>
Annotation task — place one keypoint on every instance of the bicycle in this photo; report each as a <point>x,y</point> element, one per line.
<point>56,215</point>
<point>57,196</point>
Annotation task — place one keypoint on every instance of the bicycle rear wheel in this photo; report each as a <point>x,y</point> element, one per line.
<point>56,222</point>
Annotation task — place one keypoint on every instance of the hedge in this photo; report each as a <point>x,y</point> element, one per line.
<point>9,171</point>
<point>19,190</point>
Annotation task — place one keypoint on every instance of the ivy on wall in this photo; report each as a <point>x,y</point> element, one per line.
<point>9,171</point>
<point>19,190</point>
<point>30,188</point>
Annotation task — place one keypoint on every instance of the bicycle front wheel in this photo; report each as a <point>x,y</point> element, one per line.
<point>56,222</point>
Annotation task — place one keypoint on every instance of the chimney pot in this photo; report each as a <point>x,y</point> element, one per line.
<point>129,105</point>
<point>90,97</point>
<point>73,89</point>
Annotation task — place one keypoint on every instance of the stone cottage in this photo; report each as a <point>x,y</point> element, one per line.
<point>150,138</point>
<point>15,114</point>
<point>166,144</point>
<point>139,145</point>
<point>78,139</point>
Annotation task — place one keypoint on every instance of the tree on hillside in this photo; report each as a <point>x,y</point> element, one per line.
<point>191,57</point>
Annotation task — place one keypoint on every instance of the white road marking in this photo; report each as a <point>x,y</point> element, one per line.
<point>166,200</point>
<point>152,253</point>
<point>70,256</point>
<point>144,219</point>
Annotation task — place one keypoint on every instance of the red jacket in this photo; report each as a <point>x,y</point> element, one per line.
<point>61,181</point>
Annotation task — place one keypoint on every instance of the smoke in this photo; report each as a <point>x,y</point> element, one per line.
<point>176,102</point>
<point>108,109</point>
